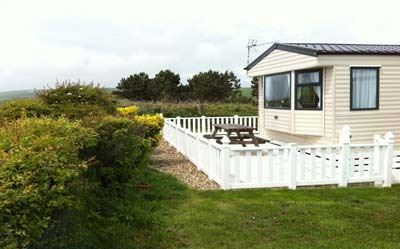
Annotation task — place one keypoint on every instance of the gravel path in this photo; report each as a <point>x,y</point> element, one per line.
<point>169,161</point>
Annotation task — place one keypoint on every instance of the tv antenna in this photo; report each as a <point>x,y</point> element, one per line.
<point>253,43</point>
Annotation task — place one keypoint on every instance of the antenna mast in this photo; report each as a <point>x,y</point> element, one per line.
<point>250,44</point>
<point>253,43</point>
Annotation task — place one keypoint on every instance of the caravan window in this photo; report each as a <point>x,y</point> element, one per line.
<point>364,88</point>
<point>277,91</point>
<point>309,89</point>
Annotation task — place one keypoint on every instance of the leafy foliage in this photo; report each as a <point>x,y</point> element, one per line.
<point>121,147</point>
<point>128,111</point>
<point>39,158</point>
<point>76,100</point>
<point>135,87</point>
<point>254,87</point>
<point>166,86</point>
<point>153,125</point>
<point>214,86</point>
<point>15,109</point>
<point>193,109</point>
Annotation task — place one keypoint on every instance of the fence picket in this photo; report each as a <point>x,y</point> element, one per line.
<point>280,163</point>
<point>371,165</point>
<point>313,167</point>
<point>237,167</point>
<point>248,166</point>
<point>361,163</point>
<point>323,159</point>
<point>302,164</point>
<point>259,166</point>
<point>333,163</point>
<point>270,155</point>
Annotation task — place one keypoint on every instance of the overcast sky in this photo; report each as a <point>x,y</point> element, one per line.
<point>101,41</point>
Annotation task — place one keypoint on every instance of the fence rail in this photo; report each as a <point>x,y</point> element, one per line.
<point>234,166</point>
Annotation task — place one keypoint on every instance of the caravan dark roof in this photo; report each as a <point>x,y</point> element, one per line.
<point>315,49</point>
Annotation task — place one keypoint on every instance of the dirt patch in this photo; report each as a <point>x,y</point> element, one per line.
<point>168,160</point>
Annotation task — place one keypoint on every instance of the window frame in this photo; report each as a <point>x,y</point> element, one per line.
<point>290,92</point>
<point>377,89</point>
<point>320,84</point>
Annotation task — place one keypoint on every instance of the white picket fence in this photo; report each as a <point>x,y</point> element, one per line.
<point>234,166</point>
<point>205,124</point>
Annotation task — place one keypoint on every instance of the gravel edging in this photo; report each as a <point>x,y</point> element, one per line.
<point>166,159</point>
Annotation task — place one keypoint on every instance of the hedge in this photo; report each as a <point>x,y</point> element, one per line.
<point>170,110</point>
<point>39,158</point>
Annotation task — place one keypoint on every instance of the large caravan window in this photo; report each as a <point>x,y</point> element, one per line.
<point>364,88</point>
<point>309,90</point>
<point>277,91</point>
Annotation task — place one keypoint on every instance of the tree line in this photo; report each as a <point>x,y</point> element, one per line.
<point>209,86</point>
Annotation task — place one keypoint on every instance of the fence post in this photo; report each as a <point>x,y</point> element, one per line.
<point>344,164</point>
<point>292,166</point>
<point>225,163</point>
<point>178,121</point>
<point>203,124</point>
<point>388,160</point>
<point>236,118</point>
<point>377,155</point>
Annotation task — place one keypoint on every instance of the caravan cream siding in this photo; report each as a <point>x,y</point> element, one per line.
<point>282,61</point>
<point>278,120</point>
<point>309,122</point>
<point>365,124</point>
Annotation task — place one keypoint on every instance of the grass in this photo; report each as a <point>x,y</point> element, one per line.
<point>363,217</point>
<point>170,215</point>
<point>246,91</point>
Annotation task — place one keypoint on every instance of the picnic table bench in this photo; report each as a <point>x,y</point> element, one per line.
<point>244,134</point>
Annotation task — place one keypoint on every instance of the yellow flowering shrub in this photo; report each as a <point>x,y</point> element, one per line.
<point>153,125</point>
<point>128,111</point>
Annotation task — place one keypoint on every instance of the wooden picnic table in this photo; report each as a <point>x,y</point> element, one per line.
<point>242,132</point>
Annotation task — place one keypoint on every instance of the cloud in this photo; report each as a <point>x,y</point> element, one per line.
<point>102,41</point>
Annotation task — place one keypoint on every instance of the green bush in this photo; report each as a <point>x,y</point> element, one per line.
<point>171,110</point>
<point>153,125</point>
<point>76,100</point>
<point>121,147</point>
<point>14,109</point>
<point>39,159</point>
<point>211,110</point>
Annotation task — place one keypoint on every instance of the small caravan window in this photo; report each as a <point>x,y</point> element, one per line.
<point>309,89</point>
<point>277,91</point>
<point>364,88</point>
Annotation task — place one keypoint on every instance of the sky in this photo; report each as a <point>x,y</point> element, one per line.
<point>45,41</point>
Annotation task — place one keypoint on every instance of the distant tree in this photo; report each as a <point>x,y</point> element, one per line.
<point>214,86</point>
<point>237,93</point>
<point>183,93</point>
<point>254,87</point>
<point>135,87</point>
<point>165,86</point>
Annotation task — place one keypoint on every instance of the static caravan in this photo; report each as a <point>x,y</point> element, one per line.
<point>309,91</point>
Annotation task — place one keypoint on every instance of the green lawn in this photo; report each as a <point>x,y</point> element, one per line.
<point>363,217</point>
<point>246,91</point>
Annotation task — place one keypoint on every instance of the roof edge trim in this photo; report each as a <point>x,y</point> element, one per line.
<point>284,47</point>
